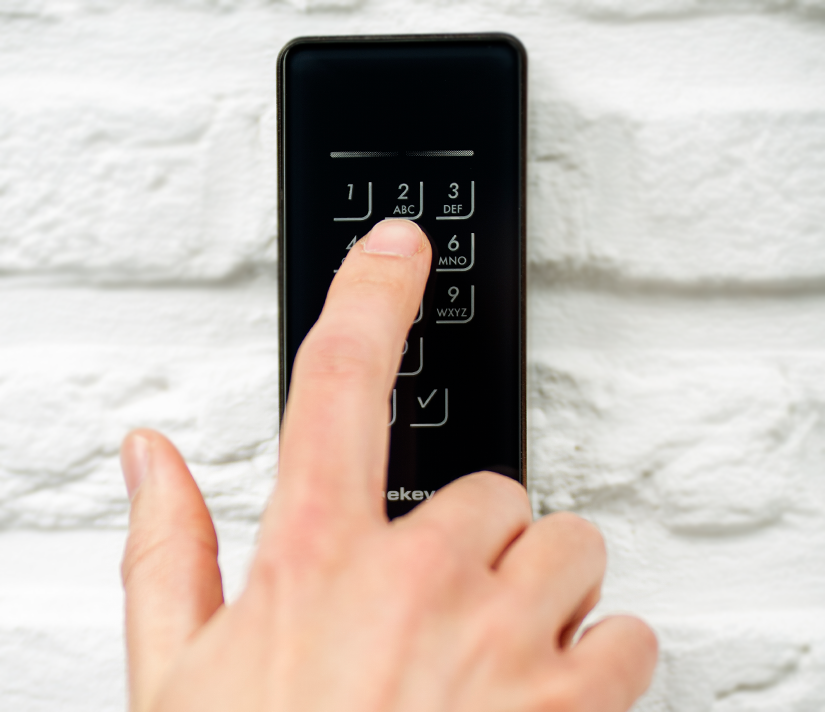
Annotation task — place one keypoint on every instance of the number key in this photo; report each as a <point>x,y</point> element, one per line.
<point>456,305</point>
<point>460,255</point>
<point>409,205</point>
<point>458,201</point>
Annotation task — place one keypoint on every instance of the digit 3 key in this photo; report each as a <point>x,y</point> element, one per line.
<point>431,129</point>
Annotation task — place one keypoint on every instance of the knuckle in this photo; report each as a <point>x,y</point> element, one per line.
<point>144,557</point>
<point>387,295</point>
<point>282,565</point>
<point>134,556</point>
<point>264,573</point>
<point>564,696</point>
<point>429,557</point>
<point>433,547</point>
<point>383,293</point>
<point>581,533</point>
<point>504,487</point>
<point>164,553</point>
<point>306,548</point>
<point>338,354</point>
<point>383,282</point>
<point>646,640</point>
<point>501,628</point>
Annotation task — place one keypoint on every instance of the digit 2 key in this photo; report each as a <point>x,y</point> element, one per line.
<point>432,129</point>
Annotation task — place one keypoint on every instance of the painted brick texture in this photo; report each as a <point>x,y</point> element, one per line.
<point>676,317</point>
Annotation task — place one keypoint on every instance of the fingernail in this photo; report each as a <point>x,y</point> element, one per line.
<point>401,238</point>
<point>134,459</point>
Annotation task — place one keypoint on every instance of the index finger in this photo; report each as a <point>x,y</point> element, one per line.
<point>334,437</point>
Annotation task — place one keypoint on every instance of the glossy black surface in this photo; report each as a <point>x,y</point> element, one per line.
<point>445,116</point>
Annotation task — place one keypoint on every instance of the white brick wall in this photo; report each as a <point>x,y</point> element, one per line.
<point>677,309</point>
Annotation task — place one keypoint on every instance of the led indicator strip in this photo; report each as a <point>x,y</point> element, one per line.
<point>435,154</point>
<point>363,154</point>
<point>393,154</point>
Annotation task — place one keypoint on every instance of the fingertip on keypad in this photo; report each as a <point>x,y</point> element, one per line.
<point>395,237</point>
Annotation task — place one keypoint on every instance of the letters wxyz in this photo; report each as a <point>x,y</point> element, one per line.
<point>452,311</point>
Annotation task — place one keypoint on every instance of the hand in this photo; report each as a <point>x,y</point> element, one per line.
<point>463,605</point>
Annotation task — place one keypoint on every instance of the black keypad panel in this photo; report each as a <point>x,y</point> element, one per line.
<point>430,129</point>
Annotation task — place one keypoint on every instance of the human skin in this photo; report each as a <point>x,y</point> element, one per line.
<point>463,605</point>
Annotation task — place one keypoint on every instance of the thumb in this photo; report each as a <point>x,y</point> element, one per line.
<point>170,566</point>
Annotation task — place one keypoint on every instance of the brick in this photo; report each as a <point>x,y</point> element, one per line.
<point>61,616</point>
<point>68,667</point>
<point>606,316</point>
<point>240,315</point>
<point>601,9</point>
<point>331,5</point>
<point>738,661</point>
<point>610,9</point>
<point>707,445</point>
<point>102,182</point>
<point>699,196</point>
<point>18,9</point>
<point>61,641</point>
<point>73,405</point>
<point>59,9</point>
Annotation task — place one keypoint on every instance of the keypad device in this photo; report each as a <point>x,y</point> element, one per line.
<point>430,129</point>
